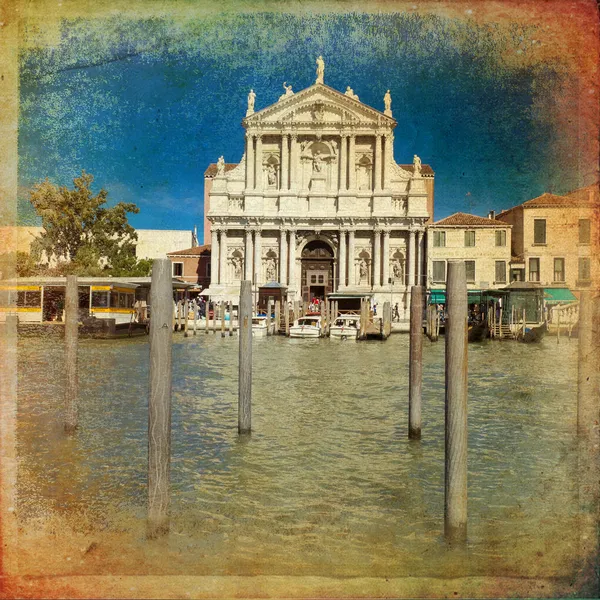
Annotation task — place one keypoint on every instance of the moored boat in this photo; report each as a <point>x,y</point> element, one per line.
<point>259,326</point>
<point>533,334</point>
<point>345,327</point>
<point>307,327</point>
<point>477,331</point>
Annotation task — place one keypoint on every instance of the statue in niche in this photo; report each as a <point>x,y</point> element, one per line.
<point>271,270</point>
<point>397,270</point>
<point>236,263</point>
<point>387,101</point>
<point>271,174</point>
<point>288,91</point>
<point>221,166</point>
<point>363,270</point>
<point>251,99</point>
<point>320,70</point>
<point>417,166</point>
<point>317,162</point>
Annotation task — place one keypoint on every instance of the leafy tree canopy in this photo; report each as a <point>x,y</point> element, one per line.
<point>84,235</point>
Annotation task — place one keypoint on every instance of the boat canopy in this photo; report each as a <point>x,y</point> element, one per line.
<point>343,296</point>
<point>558,296</point>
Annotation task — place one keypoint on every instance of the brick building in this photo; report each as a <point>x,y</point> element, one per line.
<point>484,245</point>
<point>192,265</point>
<point>555,239</point>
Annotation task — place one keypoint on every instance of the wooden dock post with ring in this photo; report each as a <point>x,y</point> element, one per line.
<point>230,318</point>
<point>455,505</point>
<point>415,363</point>
<point>159,403</point>
<point>245,359</point>
<point>71,343</point>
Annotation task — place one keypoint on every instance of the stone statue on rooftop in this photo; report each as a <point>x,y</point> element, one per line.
<point>417,166</point>
<point>251,99</point>
<point>288,91</point>
<point>387,102</point>
<point>221,166</point>
<point>320,69</point>
<point>350,92</point>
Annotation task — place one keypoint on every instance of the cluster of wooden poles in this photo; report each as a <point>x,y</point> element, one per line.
<point>456,370</point>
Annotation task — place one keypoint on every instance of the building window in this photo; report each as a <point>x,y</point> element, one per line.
<point>500,271</point>
<point>439,239</point>
<point>439,271</point>
<point>313,279</point>
<point>177,269</point>
<point>321,279</point>
<point>99,299</point>
<point>114,299</point>
<point>534,269</point>
<point>501,237</point>
<point>469,239</point>
<point>559,269</point>
<point>29,299</point>
<point>584,269</point>
<point>584,231</point>
<point>517,274</point>
<point>470,270</point>
<point>539,231</point>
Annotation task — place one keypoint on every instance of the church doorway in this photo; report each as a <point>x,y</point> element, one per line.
<point>317,270</point>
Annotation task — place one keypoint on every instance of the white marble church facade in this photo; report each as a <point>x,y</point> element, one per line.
<point>317,201</point>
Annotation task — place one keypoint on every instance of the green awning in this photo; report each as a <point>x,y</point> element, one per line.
<point>437,297</point>
<point>558,296</point>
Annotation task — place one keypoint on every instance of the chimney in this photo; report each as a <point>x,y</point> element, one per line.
<point>492,215</point>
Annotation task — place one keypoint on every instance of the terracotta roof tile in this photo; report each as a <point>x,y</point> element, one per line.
<point>196,251</point>
<point>465,220</point>
<point>211,171</point>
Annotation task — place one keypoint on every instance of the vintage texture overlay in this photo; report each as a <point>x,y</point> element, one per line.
<point>512,87</point>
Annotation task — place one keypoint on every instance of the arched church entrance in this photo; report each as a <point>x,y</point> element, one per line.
<point>317,270</point>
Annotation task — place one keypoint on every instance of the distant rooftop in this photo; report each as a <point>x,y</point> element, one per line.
<point>211,171</point>
<point>195,251</point>
<point>466,220</point>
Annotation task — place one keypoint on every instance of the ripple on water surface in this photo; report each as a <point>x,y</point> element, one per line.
<point>327,483</point>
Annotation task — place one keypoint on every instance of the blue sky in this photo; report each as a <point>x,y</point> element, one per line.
<point>147,105</point>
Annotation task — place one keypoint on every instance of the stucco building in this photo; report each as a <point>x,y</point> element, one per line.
<point>317,202</point>
<point>192,265</point>
<point>556,238</point>
<point>484,245</point>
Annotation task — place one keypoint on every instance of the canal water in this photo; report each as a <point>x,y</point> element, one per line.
<point>328,483</point>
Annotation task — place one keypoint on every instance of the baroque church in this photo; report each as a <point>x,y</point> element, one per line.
<point>317,202</point>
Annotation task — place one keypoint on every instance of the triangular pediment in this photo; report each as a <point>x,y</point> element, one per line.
<point>319,104</point>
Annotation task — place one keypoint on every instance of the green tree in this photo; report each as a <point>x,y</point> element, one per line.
<point>81,231</point>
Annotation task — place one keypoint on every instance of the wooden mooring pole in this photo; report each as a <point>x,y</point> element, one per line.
<point>287,318</point>
<point>186,314</point>
<point>455,505</point>
<point>159,404</point>
<point>222,315</point>
<point>195,315</point>
<point>230,318</point>
<point>245,359</point>
<point>587,373</point>
<point>206,323</point>
<point>214,323</point>
<point>415,365</point>
<point>71,343</point>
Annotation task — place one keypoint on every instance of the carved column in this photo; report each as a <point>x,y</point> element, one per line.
<point>285,163</point>
<point>250,161</point>
<point>342,267</point>
<point>411,257</point>
<point>351,266</point>
<point>223,257</point>
<point>352,163</point>
<point>386,256</point>
<point>419,258</point>
<point>343,162</point>
<point>257,257</point>
<point>214,255</point>
<point>376,258</point>
<point>259,167</point>
<point>293,162</point>
<point>377,163</point>
<point>248,255</point>
<point>387,146</point>
<point>283,256</point>
<point>292,259</point>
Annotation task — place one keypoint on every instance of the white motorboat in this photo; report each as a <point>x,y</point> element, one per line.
<point>307,327</point>
<point>259,326</point>
<point>345,327</point>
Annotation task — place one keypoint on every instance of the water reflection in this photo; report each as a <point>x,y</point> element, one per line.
<point>328,483</point>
